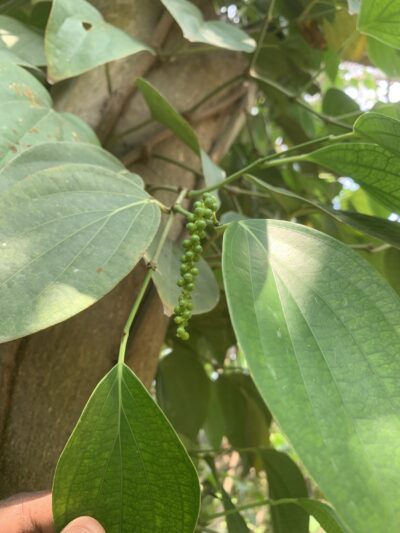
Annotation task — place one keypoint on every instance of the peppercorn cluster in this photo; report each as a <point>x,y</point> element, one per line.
<point>202,216</point>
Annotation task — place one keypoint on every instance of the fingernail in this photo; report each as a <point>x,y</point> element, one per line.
<point>84,524</point>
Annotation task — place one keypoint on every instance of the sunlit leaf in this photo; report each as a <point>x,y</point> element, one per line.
<point>373,167</point>
<point>380,129</point>
<point>78,39</point>
<point>24,42</point>
<point>320,332</point>
<point>68,233</point>
<point>381,19</point>
<point>214,32</point>
<point>124,464</point>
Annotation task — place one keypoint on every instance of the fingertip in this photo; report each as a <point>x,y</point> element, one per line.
<point>84,524</point>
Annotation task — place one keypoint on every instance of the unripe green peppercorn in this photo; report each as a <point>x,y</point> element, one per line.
<point>194,271</point>
<point>188,277</point>
<point>187,244</point>
<point>191,227</point>
<point>180,282</point>
<point>179,319</point>
<point>208,213</point>
<point>198,249</point>
<point>200,211</point>
<point>188,256</point>
<point>190,286</point>
<point>200,224</point>
<point>195,239</point>
<point>186,315</point>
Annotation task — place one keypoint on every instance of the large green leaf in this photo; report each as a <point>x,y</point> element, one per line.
<point>124,464</point>
<point>24,42</point>
<point>373,167</point>
<point>214,32</point>
<point>162,111</point>
<point>322,512</point>
<point>183,391</point>
<point>381,19</point>
<point>206,292</point>
<point>285,480</point>
<point>379,129</point>
<point>320,331</point>
<point>78,39</point>
<point>69,232</point>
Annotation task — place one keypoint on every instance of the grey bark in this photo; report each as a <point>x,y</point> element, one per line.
<point>46,378</point>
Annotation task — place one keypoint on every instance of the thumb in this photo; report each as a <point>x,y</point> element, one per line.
<point>84,524</point>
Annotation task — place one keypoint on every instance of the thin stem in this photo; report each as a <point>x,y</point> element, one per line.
<point>146,282</point>
<point>237,509</point>
<point>181,210</point>
<point>273,160</point>
<point>108,79</point>
<point>299,101</point>
<point>215,91</point>
<point>137,127</point>
<point>177,164</point>
<point>251,166</point>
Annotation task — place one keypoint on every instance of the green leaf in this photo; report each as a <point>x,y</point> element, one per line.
<point>285,480</point>
<point>206,292</point>
<point>234,521</point>
<point>378,227</point>
<point>78,39</point>
<point>183,391</point>
<point>381,19</point>
<point>372,167</point>
<point>320,332</point>
<point>162,111</point>
<point>27,117</point>
<point>384,57</point>
<point>124,465</point>
<point>22,41</point>
<point>379,129</point>
<point>214,32</point>
<point>246,418</point>
<point>16,84</point>
<point>322,512</point>
<point>69,232</point>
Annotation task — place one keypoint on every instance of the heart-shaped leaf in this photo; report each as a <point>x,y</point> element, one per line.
<point>320,332</point>
<point>214,32</point>
<point>78,39</point>
<point>124,464</point>
<point>379,129</point>
<point>69,232</point>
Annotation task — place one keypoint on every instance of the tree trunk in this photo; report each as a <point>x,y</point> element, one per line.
<point>47,378</point>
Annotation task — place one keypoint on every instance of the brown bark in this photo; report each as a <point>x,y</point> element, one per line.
<point>47,378</point>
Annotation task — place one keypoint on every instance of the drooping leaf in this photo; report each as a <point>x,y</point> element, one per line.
<point>320,331</point>
<point>124,465</point>
<point>234,521</point>
<point>214,32</point>
<point>380,19</point>
<point>68,234</point>
<point>246,418</point>
<point>381,228</point>
<point>162,111</point>
<point>206,292</point>
<point>22,41</point>
<point>379,129</point>
<point>183,391</point>
<point>78,39</point>
<point>374,168</point>
<point>285,480</point>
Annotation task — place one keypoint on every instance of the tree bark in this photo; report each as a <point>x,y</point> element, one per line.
<point>47,378</point>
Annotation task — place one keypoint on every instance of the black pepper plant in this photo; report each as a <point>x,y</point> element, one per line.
<point>283,402</point>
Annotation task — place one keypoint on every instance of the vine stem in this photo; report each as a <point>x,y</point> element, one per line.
<point>272,160</point>
<point>239,508</point>
<point>146,281</point>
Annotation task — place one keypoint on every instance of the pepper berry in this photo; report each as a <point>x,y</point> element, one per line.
<point>203,215</point>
